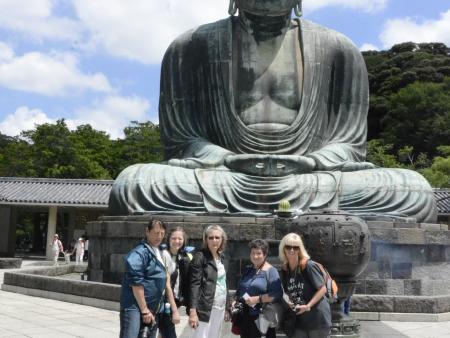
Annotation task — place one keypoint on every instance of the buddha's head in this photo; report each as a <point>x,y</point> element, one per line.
<point>264,7</point>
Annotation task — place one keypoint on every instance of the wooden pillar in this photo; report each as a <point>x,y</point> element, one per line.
<point>71,226</point>
<point>8,221</point>
<point>51,230</point>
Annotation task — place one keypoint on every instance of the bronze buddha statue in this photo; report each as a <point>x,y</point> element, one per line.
<point>258,108</point>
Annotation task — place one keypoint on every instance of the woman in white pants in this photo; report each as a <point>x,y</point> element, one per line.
<point>57,247</point>
<point>79,251</point>
<point>208,287</point>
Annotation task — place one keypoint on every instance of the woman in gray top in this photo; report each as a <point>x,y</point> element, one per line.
<point>304,284</point>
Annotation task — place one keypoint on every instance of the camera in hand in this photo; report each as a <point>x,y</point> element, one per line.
<point>237,309</point>
<point>146,329</point>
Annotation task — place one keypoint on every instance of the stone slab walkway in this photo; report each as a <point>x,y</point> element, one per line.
<point>27,316</point>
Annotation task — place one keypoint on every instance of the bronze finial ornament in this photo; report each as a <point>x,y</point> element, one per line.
<point>232,9</point>
<point>298,9</point>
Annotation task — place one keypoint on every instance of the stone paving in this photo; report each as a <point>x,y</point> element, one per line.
<point>26,316</point>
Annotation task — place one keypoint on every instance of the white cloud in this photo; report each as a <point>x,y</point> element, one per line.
<point>142,30</point>
<point>139,30</point>
<point>6,52</point>
<point>363,5</point>
<point>368,46</point>
<point>406,29</point>
<point>23,118</point>
<point>112,114</point>
<point>35,18</point>
<point>52,75</point>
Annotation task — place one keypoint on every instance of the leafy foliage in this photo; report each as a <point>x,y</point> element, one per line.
<point>52,150</point>
<point>439,173</point>
<point>409,113</point>
<point>142,144</point>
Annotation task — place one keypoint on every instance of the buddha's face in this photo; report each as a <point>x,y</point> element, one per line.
<point>266,7</point>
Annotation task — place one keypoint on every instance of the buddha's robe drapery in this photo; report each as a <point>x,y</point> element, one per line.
<point>199,122</point>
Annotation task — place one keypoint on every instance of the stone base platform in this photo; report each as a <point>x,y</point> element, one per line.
<point>111,237</point>
<point>408,260</point>
<point>10,263</point>
<point>59,283</point>
<point>401,304</point>
<point>401,317</point>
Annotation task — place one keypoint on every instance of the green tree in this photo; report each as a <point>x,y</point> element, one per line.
<point>142,144</point>
<point>16,159</point>
<point>55,151</point>
<point>93,152</point>
<point>52,148</point>
<point>378,153</point>
<point>439,173</point>
<point>419,116</point>
<point>393,70</point>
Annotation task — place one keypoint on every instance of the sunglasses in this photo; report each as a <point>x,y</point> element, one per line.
<point>291,247</point>
<point>214,237</point>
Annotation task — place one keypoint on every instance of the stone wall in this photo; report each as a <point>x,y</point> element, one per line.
<point>408,264</point>
<point>406,251</point>
<point>408,271</point>
<point>111,237</point>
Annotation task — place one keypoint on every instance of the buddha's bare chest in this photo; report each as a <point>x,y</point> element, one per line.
<point>267,82</point>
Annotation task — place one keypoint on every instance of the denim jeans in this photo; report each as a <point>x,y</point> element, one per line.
<point>130,323</point>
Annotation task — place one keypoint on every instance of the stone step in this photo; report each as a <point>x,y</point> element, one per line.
<point>404,269</point>
<point>10,263</point>
<point>403,287</point>
<point>400,304</point>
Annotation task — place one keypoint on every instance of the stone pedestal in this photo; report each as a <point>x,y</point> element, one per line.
<point>407,260</point>
<point>408,271</point>
<point>111,237</point>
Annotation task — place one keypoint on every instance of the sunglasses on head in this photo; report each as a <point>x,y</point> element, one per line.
<point>292,247</point>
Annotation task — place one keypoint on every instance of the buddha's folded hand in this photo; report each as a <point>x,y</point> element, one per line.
<point>355,166</point>
<point>269,165</point>
<point>194,163</point>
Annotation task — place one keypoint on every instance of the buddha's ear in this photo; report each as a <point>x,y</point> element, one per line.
<point>298,8</point>
<point>232,9</point>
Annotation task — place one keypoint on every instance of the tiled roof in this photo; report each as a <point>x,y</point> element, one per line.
<point>442,200</point>
<point>52,191</point>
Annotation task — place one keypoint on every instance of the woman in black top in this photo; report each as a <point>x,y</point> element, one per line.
<point>304,283</point>
<point>208,287</point>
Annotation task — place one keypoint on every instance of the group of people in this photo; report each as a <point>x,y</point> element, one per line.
<point>80,249</point>
<point>158,280</point>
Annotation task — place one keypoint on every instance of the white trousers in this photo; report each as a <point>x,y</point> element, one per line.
<point>79,258</point>
<point>211,329</point>
<point>55,257</point>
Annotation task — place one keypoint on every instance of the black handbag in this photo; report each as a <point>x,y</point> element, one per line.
<point>288,324</point>
<point>236,318</point>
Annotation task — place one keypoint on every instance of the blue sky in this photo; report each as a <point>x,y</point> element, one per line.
<point>98,61</point>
